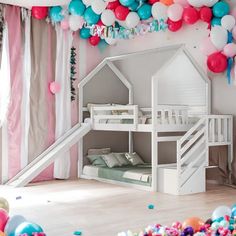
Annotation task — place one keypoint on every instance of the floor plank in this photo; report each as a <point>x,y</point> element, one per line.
<point>62,207</point>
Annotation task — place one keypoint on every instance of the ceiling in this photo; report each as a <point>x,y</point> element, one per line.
<point>30,3</point>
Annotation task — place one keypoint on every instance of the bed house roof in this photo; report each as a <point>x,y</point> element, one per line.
<point>177,49</point>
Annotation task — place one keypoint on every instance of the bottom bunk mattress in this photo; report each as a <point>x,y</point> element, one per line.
<point>141,174</point>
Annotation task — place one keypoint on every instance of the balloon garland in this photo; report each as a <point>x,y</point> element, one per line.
<point>123,19</point>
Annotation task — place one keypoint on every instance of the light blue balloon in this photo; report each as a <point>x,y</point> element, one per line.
<point>221,9</point>
<point>134,6</point>
<point>28,228</point>
<point>85,33</point>
<point>12,224</point>
<point>90,16</point>
<point>76,8</point>
<point>56,14</point>
<point>216,21</point>
<point>145,11</point>
<point>127,3</point>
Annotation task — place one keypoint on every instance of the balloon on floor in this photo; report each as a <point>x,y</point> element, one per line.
<point>16,225</point>
<point>221,223</point>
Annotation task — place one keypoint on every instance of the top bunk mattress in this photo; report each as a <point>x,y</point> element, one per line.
<point>141,174</point>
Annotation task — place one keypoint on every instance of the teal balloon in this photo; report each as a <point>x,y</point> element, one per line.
<point>12,224</point>
<point>221,9</point>
<point>90,16</point>
<point>76,8</point>
<point>127,3</point>
<point>56,14</point>
<point>28,228</point>
<point>134,6</point>
<point>145,11</point>
<point>85,33</point>
<point>216,21</point>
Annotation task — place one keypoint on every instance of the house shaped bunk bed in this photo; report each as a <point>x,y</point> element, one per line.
<point>156,103</point>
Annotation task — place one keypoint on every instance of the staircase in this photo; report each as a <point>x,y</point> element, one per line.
<point>40,163</point>
<point>188,174</point>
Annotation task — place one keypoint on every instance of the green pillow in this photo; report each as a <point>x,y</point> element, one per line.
<point>96,160</point>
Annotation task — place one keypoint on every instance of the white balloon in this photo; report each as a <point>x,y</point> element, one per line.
<point>108,17</point>
<point>210,3</point>
<point>75,22</point>
<point>219,37</point>
<point>221,211</point>
<point>87,2</point>
<point>111,41</point>
<point>132,20</point>
<point>196,3</point>
<point>159,11</point>
<point>98,6</point>
<point>228,22</point>
<point>175,12</point>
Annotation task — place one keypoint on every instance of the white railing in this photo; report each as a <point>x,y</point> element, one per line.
<point>100,114</point>
<point>220,129</point>
<point>192,151</point>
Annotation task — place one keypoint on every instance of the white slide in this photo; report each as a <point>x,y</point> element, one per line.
<point>41,162</point>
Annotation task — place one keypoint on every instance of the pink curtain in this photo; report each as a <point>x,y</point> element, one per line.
<point>13,19</point>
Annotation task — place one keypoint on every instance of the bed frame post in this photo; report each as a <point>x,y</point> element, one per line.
<point>154,135</point>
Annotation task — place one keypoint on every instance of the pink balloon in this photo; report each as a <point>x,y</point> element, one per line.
<point>230,50</point>
<point>65,24</point>
<point>55,87</point>
<point>183,3</point>
<point>207,47</point>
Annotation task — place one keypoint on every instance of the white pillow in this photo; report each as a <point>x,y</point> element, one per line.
<point>110,160</point>
<point>99,151</point>
<point>134,158</point>
<point>122,159</point>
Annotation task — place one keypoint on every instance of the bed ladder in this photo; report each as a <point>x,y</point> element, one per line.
<point>41,162</point>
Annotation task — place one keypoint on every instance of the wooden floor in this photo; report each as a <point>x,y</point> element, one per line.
<point>62,207</point>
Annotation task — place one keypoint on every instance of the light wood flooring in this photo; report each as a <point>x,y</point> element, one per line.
<point>62,207</point>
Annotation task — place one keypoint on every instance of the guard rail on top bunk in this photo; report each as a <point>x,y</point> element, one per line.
<point>128,117</point>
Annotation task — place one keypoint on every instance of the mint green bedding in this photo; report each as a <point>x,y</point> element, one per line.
<point>118,172</point>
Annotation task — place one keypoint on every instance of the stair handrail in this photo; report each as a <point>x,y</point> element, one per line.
<point>192,130</point>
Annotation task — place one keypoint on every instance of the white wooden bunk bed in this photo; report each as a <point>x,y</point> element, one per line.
<point>168,119</point>
<point>191,127</point>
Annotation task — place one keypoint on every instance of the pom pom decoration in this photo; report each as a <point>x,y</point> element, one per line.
<point>39,13</point>
<point>217,63</point>
<point>54,87</point>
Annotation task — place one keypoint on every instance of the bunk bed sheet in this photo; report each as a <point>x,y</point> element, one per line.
<point>140,174</point>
